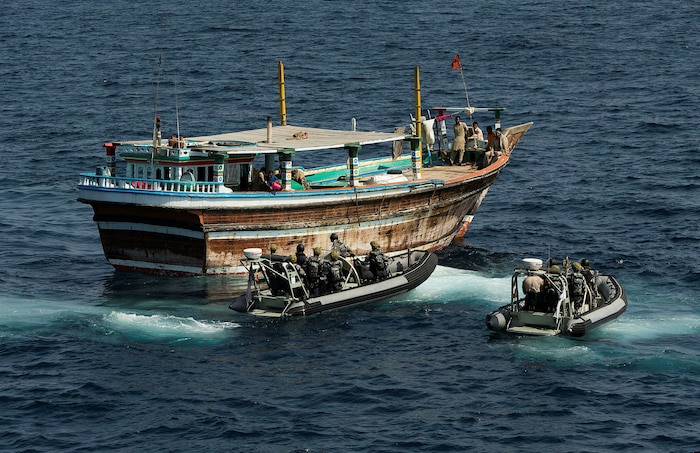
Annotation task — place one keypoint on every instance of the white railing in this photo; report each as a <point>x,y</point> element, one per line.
<point>154,185</point>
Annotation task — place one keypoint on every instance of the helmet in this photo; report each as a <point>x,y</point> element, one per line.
<point>292,258</point>
<point>300,248</point>
<point>273,248</point>
<point>585,263</point>
<point>334,237</point>
<point>577,267</point>
<point>317,251</point>
<point>374,244</point>
<point>334,255</point>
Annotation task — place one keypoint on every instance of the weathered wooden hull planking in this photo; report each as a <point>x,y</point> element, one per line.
<point>179,241</point>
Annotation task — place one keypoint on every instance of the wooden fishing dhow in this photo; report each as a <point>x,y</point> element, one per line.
<point>190,206</point>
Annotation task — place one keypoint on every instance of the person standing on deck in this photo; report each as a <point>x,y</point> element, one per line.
<point>460,141</point>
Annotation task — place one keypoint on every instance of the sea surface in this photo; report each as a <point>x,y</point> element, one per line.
<point>96,360</point>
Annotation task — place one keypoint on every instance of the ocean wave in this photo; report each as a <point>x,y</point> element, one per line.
<point>163,327</point>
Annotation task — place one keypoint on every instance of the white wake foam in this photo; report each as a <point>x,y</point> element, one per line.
<point>160,326</point>
<point>448,284</point>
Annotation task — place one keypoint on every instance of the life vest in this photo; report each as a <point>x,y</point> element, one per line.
<point>342,249</point>
<point>577,286</point>
<point>336,271</point>
<point>378,263</point>
<point>313,268</point>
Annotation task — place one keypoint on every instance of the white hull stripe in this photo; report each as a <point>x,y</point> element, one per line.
<point>244,234</point>
<point>155,266</point>
<point>146,228</point>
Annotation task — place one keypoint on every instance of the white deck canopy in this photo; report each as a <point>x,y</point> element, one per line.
<point>282,138</point>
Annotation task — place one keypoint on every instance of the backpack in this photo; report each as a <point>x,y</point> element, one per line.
<point>336,271</point>
<point>378,264</point>
<point>577,290</point>
<point>577,286</point>
<point>381,260</point>
<point>365,271</point>
<point>313,267</point>
<point>342,249</point>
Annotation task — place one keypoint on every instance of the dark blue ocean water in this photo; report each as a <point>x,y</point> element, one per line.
<point>95,360</point>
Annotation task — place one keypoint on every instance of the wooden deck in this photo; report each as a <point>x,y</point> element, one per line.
<point>446,172</point>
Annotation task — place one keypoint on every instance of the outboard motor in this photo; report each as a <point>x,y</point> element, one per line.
<point>497,321</point>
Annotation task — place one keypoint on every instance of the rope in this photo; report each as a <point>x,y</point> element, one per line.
<point>466,94</point>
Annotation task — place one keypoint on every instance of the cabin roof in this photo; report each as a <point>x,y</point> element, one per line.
<point>287,137</point>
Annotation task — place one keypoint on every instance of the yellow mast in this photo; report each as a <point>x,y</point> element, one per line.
<point>416,155</point>
<point>416,79</point>
<point>283,100</point>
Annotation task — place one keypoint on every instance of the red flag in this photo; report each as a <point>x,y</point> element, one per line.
<point>456,63</point>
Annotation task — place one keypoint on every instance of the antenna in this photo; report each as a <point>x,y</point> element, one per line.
<point>177,112</point>
<point>155,100</point>
<point>466,93</point>
<point>156,118</point>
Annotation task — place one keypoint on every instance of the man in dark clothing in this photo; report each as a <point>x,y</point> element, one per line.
<point>301,256</point>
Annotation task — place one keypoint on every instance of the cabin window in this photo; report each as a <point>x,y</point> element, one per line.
<point>202,174</point>
<point>232,174</point>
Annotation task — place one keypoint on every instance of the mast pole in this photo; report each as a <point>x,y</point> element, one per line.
<point>416,155</point>
<point>416,82</point>
<point>283,99</point>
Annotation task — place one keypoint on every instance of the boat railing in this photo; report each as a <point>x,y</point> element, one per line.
<point>282,277</point>
<point>155,185</point>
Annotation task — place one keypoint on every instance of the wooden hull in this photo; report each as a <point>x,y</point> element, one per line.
<point>205,233</point>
